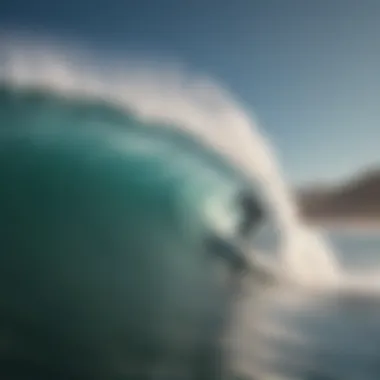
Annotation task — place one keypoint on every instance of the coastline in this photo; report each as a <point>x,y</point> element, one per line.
<point>344,225</point>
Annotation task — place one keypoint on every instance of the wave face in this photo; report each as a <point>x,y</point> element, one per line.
<point>159,156</point>
<point>83,178</point>
<point>180,155</point>
<point>194,105</point>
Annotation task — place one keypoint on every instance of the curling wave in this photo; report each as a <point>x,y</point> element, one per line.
<point>159,100</point>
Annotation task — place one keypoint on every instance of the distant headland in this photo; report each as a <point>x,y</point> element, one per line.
<point>354,202</point>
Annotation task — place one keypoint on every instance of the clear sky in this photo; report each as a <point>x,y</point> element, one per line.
<point>310,69</point>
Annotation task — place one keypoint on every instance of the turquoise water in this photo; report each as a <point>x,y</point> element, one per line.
<point>134,231</point>
<point>120,240</point>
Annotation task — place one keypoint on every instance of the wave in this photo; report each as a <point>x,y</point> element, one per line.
<point>188,152</point>
<point>193,105</point>
<point>184,111</point>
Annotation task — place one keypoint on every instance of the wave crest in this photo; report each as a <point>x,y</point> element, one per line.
<point>192,104</point>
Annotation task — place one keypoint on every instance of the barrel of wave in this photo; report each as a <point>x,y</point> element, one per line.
<point>200,108</point>
<point>105,240</point>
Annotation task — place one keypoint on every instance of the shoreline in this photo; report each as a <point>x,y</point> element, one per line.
<point>343,225</point>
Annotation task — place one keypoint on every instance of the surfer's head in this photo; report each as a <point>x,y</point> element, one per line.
<point>106,266</point>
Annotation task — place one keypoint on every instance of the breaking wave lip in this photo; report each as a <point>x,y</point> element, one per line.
<point>195,105</point>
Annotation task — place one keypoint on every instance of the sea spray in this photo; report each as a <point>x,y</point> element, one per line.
<point>195,105</point>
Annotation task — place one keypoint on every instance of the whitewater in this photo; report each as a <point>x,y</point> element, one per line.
<point>195,105</point>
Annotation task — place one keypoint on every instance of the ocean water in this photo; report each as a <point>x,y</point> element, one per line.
<point>324,334</point>
<point>177,153</point>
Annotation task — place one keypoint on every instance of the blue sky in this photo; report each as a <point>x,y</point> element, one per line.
<point>309,69</point>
